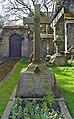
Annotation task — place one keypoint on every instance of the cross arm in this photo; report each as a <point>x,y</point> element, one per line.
<point>29,20</point>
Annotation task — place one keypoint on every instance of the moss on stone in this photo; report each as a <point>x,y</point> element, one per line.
<point>42,67</point>
<point>68,16</point>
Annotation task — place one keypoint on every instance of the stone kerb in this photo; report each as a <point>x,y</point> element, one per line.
<point>9,105</point>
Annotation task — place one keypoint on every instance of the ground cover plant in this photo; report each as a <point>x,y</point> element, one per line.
<point>6,67</point>
<point>65,81</point>
<point>25,109</point>
<point>7,86</point>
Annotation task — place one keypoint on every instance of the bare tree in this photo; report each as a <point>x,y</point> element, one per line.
<point>17,9</point>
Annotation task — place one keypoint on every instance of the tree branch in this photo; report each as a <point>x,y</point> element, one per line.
<point>22,3</point>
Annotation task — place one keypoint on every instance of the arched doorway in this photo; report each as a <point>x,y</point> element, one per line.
<point>15,42</point>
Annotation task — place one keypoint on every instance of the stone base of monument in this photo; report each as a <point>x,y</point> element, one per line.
<point>58,59</point>
<point>35,81</point>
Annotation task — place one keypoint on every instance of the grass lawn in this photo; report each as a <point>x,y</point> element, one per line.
<point>65,82</point>
<point>8,85</point>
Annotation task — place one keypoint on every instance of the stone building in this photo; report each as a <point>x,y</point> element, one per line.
<point>63,25</point>
<point>17,42</point>
<point>14,41</point>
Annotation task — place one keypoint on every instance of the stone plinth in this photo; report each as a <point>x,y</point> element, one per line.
<point>33,84</point>
<point>58,59</point>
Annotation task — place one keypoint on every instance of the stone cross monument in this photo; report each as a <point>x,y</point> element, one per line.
<point>37,20</point>
<point>36,80</point>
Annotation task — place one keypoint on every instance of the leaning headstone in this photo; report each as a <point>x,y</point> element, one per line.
<point>36,80</point>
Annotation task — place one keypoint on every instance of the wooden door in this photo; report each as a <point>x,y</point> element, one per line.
<point>15,45</point>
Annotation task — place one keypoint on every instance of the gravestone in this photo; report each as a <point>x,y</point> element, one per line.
<point>71,52</point>
<point>36,79</point>
<point>58,58</point>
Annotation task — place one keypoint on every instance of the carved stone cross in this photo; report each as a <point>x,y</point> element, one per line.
<point>36,20</point>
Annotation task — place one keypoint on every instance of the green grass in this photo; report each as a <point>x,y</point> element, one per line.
<point>65,82</point>
<point>8,85</point>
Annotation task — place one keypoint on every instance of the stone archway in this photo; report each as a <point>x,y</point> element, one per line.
<point>15,42</point>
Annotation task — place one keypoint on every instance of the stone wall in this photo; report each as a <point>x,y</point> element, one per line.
<point>70,34</point>
<point>71,6</point>
<point>1,46</point>
<point>27,46</point>
<point>60,32</point>
<point>43,47</point>
<point>5,46</point>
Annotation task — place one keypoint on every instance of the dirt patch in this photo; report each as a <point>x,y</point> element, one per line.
<point>6,67</point>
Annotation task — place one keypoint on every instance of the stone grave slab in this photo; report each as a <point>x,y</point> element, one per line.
<point>36,85</point>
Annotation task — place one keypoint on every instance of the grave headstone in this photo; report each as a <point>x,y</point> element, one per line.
<point>36,79</point>
<point>58,58</point>
<point>71,52</point>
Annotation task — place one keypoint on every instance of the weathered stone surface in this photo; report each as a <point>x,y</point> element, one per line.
<point>58,59</point>
<point>36,85</point>
<point>5,46</point>
<point>1,46</point>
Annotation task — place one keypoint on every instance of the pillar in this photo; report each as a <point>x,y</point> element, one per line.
<point>65,25</point>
